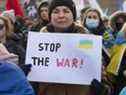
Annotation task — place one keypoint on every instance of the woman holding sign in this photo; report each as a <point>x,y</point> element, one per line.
<point>62,15</point>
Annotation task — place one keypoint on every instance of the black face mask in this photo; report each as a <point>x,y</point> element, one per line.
<point>119,26</point>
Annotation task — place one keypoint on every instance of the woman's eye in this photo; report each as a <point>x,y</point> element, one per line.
<point>89,17</point>
<point>55,11</point>
<point>66,11</point>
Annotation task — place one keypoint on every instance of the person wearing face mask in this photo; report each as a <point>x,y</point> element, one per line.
<point>93,22</point>
<point>117,20</point>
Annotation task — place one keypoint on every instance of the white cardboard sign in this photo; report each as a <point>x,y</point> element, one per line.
<point>64,58</point>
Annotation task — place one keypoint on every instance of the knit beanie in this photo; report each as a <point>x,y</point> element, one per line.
<point>43,4</point>
<point>68,3</point>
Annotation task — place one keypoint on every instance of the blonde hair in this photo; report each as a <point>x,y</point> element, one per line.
<point>8,26</point>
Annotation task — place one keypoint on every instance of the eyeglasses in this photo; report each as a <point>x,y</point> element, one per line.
<point>1,26</point>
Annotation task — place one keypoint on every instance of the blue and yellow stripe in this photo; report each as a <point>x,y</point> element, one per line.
<point>86,44</point>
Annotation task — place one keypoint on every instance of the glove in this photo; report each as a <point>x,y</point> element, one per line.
<point>107,36</point>
<point>98,88</point>
<point>26,68</point>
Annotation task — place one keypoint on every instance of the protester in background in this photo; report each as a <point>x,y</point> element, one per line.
<point>117,20</point>
<point>11,42</point>
<point>93,22</point>
<point>62,15</point>
<point>8,38</point>
<point>17,31</point>
<point>43,18</point>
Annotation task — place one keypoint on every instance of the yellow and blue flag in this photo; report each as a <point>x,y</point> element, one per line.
<point>86,44</point>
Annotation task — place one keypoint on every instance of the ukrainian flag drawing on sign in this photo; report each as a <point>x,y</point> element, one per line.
<point>86,44</point>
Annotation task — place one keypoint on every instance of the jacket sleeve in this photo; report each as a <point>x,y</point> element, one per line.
<point>13,80</point>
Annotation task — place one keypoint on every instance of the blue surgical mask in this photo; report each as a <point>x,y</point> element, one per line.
<point>92,23</point>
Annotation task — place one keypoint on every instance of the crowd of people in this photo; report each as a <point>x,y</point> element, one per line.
<point>60,16</point>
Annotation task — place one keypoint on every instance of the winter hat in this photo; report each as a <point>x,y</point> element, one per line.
<point>43,4</point>
<point>68,3</point>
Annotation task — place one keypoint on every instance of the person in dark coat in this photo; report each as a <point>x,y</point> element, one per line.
<point>62,16</point>
<point>43,18</point>
<point>94,23</point>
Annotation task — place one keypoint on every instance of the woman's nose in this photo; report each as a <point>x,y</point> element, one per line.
<point>61,14</point>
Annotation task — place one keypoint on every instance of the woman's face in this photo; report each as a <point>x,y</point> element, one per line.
<point>119,23</point>
<point>44,13</point>
<point>92,20</point>
<point>61,17</point>
<point>2,29</point>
